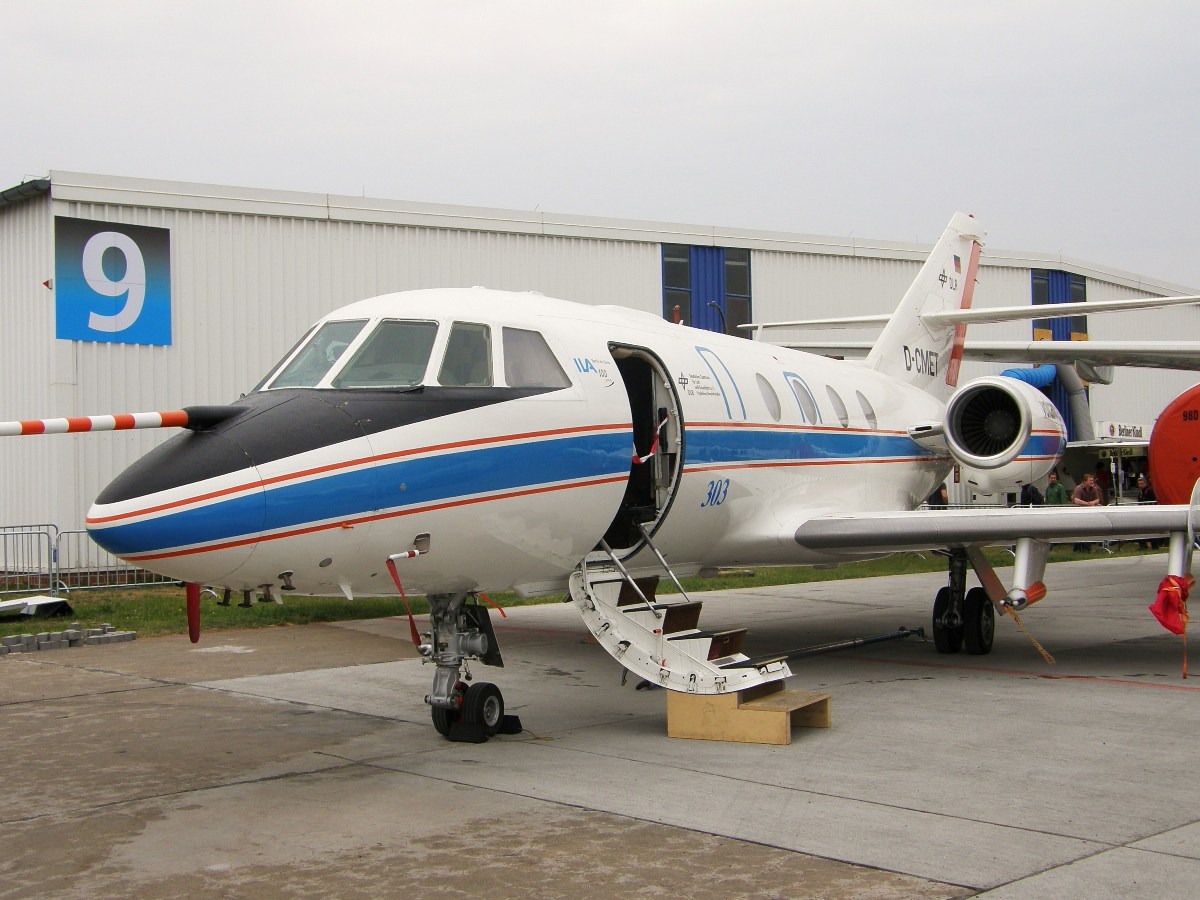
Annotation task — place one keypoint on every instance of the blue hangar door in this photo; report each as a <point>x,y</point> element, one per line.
<point>707,287</point>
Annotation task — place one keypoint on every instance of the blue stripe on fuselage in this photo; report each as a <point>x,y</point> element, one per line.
<point>393,485</point>
<point>1044,445</point>
<point>749,445</point>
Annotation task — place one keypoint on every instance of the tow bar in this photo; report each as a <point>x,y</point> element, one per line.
<point>900,633</point>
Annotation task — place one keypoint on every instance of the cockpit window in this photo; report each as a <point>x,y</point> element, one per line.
<point>319,354</point>
<point>468,359</point>
<point>529,361</point>
<point>395,354</point>
<point>275,368</point>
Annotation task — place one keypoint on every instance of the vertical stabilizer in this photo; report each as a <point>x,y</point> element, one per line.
<point>918,352</point>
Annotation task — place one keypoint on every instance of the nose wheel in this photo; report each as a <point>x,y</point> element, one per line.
<point>461,630</point>
<point>479,715</point>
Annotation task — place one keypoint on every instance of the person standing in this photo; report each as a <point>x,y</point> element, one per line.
<point>1087,494</point>
<point>1145,494</point>
<point>1056,493</point>
<point>1145,491</point>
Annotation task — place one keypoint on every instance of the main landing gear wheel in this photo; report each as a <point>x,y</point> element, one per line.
<point>979,622</point>
<point>444,718</point>
<point>946,639</point>
<point>484,705</point>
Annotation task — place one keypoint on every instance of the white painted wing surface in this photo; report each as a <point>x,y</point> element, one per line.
<point>934,529</point>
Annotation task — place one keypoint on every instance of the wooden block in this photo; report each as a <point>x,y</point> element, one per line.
<point>806,708</point>
<point>766,718</point>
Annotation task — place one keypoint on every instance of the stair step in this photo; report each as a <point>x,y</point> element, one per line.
<point>727,643</point>
<point>677,617</point>
<point>732,661</point>
<point>681,617</point>
<point>628,595</point>
<point>762,715</point>
<point>754,662</point>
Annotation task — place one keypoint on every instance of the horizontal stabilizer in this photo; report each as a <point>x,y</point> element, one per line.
<point>1184,355</point>
<point>989,316</point>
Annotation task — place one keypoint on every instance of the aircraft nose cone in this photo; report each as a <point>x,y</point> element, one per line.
<point>197,494</point>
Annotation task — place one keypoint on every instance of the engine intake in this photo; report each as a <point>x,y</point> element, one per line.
<point>987,422</point>
<point>1003,433</point>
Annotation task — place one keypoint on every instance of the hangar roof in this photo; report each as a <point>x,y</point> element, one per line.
<point>144,192</point>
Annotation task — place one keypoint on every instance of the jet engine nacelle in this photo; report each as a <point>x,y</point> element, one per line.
<point>1003,433</point>
<point>1175,448</point>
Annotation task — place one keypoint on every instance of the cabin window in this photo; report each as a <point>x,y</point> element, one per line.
<point>839,408</point>
<point>868,409</point>
<point>319,354</point>
<point>395,354</point>
<point>769,397</point>
<point>529,361</point>
<point>468,359</point>
<point>804,399</point>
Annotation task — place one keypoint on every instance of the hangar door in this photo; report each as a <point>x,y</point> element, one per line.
<point>707,287</point>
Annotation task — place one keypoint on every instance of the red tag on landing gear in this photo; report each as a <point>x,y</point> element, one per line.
<point>412,623</point>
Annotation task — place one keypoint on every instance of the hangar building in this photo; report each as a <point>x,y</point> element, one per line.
<point>233,276</point>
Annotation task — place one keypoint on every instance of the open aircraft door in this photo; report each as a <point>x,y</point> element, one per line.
<point>658,437</point>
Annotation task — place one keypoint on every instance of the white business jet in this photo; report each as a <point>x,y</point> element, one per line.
<point>452,442</point>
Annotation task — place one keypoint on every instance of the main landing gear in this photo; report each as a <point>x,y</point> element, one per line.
<point>962,618</point>
<point>461,629</point>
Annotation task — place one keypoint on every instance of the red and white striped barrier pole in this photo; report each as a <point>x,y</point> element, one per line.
<point>173,419</point>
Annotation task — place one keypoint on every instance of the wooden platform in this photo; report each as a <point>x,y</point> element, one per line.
<point>762,715</point>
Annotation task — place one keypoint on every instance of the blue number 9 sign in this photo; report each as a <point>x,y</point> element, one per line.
<point>112,282</point>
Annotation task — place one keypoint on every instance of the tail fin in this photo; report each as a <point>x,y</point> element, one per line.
<point>919,352</point>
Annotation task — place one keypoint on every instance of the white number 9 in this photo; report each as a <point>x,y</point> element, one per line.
<point>133,283</point>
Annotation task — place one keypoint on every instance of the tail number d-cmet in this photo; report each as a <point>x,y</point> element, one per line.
<point>923,362</point>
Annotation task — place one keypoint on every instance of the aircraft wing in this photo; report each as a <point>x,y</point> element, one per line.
<point>937,529</point>
<point>1140,354</point>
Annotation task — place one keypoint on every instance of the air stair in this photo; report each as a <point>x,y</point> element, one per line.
<point>662,641</point>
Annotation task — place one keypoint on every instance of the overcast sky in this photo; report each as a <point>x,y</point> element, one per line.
<point>1065,127</point>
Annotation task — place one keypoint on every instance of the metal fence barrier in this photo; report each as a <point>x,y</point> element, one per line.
<point>27,559</point>
<point>43,560</point>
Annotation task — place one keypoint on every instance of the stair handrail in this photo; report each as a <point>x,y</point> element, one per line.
<point>662,559</point>
<point>629,578</point>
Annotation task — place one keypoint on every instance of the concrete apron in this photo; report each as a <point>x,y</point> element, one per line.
<point>277,761</point>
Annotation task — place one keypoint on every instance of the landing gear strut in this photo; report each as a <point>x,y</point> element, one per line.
<point>961,617</point>
<point>462,630</point>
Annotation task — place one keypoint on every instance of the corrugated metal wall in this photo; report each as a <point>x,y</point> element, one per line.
<point>35,369</point>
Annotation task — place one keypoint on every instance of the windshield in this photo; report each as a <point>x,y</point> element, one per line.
<point>394,355</point>
<point>319,354</point>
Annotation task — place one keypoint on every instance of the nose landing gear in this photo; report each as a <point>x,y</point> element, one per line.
<point>462,630</point>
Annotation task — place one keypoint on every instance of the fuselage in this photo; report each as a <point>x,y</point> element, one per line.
<point>515,432</point>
